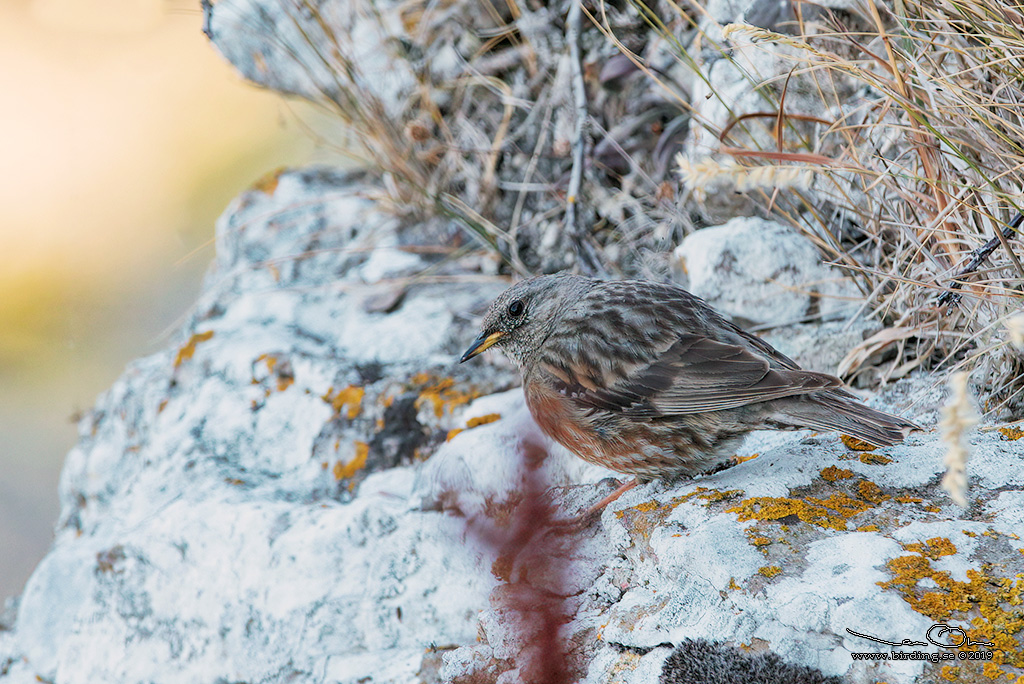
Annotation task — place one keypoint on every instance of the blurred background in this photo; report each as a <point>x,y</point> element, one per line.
<point>124,135</point>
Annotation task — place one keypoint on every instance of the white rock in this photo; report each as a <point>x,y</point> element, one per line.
<point>205,534</point>
<point>762,272</point>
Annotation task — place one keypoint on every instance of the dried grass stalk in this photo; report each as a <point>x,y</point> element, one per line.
<point>958,420</point>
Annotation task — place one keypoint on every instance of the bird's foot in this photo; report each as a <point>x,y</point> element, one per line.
<point>584,519</point>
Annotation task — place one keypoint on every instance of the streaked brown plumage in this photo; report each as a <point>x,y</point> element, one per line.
<point>646,379</point>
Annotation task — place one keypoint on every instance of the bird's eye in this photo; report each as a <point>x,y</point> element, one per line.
<point>516,308</point>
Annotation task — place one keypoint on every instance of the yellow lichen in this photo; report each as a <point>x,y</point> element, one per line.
<point>1011,433</point>
<point>875,459</point>
<point>441,394</point>
<point>472,423</point>
<point>990,599</point>
<point>268,183</point>
<point>933,548</point>
<point>186,352</point>
<point>344,471</point>
<point>285,379</point>
<point>869,491</point>
<point>830,513</point>
<point>756,539</point>
<point>868,528</point>
<point>833,474</point>
<point>645,507</point>
<point>950,673</point>
<point>770,571</point>
<point>855,444</point>
<point>733,585</point>
<point>482,420</point>
<point>709,495</point>
<point>351,396</point>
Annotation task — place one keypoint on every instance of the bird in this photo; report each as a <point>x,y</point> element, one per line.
<point>646,379</point>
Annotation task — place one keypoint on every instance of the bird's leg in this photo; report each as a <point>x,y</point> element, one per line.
<point>599,506</point>
<point>584,518</point>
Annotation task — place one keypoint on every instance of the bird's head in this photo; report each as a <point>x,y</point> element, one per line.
<point>524,315</point>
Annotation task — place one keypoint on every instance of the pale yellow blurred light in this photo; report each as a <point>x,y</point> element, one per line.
<point>99,16</point>
<point>122,134</point>
<point>98,158</point>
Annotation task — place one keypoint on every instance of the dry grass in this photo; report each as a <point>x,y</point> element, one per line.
<point>911,160</point>
<point>921,165</point>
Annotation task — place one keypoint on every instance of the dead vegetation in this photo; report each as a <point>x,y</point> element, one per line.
<point>890,134</point>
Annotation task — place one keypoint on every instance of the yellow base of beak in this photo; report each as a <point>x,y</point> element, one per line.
<point>481,344</point>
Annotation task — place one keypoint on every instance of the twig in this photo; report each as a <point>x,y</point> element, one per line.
<point>979,257</point>
<point>586,255</point>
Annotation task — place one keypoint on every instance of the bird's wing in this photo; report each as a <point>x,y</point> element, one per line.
<point>695,374</point>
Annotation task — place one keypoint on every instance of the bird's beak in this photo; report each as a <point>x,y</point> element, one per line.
<point>481,344</point>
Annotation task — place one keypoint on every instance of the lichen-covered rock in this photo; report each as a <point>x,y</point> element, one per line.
<point>759,271</point>
<point>307,487</point>
<point>807,541</point>
<point>214,518</point>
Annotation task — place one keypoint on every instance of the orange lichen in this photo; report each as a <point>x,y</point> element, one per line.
<point>472,423</point>
<point>708,495</point>
<point>1011,433</point>
<point>756,539</point>
<point>831,513</point>
<point>482,420</point>
<point>649,507</point>
<point>855,444</point>
<point>950,673</point>
<point>351,396</point>
<point>285,379</point>
<point>441,394</point>
<point>875,459</point>
<point>869,491</point>
<point>908,499</point>
<point>744,459</point>
<point>934,548</point>
<point>833,474</point>
<point>993,600</point>
<point>868,528</point>
<point>770,571</point>
<point>186,352</point>
<point>344,471</point>
<point>268,183</point>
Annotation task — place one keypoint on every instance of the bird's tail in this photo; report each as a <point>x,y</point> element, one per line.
<point>839,411</point>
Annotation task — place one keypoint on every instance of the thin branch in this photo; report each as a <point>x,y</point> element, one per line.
<point>978,257</point>
<point>586,255</point>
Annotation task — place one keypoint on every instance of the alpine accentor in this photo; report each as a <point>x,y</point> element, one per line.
<point>646,379</point>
